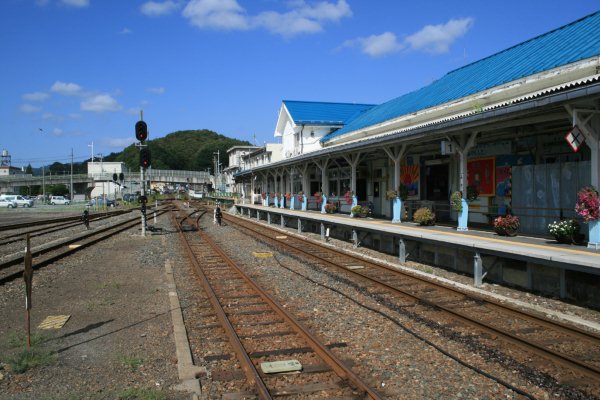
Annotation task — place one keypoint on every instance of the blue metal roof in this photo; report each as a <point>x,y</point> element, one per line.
<point>570,43</point>
<point>322,113</point>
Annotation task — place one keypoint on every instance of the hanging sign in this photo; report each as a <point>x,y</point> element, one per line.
<point>575,138</point>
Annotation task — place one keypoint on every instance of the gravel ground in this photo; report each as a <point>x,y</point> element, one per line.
<point>118,341</point>
<point>387,353</point>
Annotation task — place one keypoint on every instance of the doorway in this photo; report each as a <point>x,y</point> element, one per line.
<point>436,182</point>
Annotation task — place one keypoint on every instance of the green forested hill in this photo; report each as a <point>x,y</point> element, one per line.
<point>181,150</point>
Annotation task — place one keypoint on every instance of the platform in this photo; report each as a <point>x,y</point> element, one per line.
<point>534,263</point>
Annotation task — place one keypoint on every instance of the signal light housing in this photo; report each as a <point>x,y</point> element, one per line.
<point>141,131</point>
<point>145,157</point>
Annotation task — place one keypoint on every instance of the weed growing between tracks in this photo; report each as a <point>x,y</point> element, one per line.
<point>20,359</point>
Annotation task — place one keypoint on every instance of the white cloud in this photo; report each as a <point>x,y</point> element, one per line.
<point>35,96</point>
<point>438,38</point>
<point>376,45</point>
<point>42,3</point>
<point>57,132</point>
<point>218,14</point>
<point>156,90</point>
<point>157,8</point>
<point>119,143</point>
<point>28,108</point>
<point>431,39</point>
<point>68,89</point>
<point>74,116</point>
<point>125,31</point>
<point>100,103</point>
<point>76,3</point>
<point>302,17</point>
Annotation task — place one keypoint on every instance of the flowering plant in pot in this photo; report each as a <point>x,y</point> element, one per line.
<point>456,201</point>
<point>507,225</point>
<point>287,195</point>
<point>588,204</point>
<point>300,196</point>
<point>391,194</point>
<point>318,197</point>
<point>565,231</point>
<point>359,211</point>
<point>263,195</point>
<point>424,216</point>
<point>330,208</point>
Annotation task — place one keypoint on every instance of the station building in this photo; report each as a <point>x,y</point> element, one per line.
<point>521,126</point>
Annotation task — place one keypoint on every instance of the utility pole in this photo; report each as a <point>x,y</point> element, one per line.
<point>71,186</point>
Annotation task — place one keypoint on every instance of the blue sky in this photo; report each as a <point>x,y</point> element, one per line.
<point>79,71</point>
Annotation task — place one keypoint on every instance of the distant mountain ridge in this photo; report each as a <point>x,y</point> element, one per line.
<point>190,150</point>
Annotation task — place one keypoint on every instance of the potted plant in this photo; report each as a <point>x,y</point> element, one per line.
<point>330,208</point>
<point>565,231</point>
<point>456,201</point>
<point>507,225</point>
<point>359,211</point>
<point>424,216</point>
<point>391,194</point>
<point>287,195</point>
<point>588,204</point>
<point>263,195</point>
<point>300,196</point>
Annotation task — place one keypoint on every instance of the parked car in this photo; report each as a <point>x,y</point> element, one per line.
<point>59,200</point>
<point>8,203</point>
<point>100,201</point>
<point>22,201</point>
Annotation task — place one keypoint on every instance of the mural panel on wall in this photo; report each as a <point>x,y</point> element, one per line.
<point>481,173</point>
<point>410,176</point>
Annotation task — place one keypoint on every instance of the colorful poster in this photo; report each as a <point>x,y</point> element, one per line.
<point>481,173</point>
<point>504,166</point>
<point>410,176</point>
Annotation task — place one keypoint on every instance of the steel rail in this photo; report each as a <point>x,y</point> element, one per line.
<point>246,364</point>
<point>588,370</point>
<point>38,252</point>
<point>318,347</point>
<point>57,220</point>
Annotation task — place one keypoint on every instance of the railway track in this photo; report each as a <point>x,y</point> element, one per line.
<point>260,330</point>
<point>51,221</point>
<point>11,266</point>
<point>54,227</point>
<point>567,352</point>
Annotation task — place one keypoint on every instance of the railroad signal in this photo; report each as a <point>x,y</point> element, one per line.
<point>121,177</point>
<point>145,157</point>
<point>143,199</point>
<point>115,177</point>
<point>141,131</point>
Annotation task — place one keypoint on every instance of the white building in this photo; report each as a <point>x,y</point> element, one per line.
<point>236,164</point>
<point>302,124</point>
<point>103,174</point>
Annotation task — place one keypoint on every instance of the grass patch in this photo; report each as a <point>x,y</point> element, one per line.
<point>131,361</point>
<point>17,340</point>
<point>113,285</point>
<point>428,270</point>
<point>24,360</point>
<point>141,394</point>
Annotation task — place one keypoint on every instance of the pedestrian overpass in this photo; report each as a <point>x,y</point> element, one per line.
<point>13,183</point>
